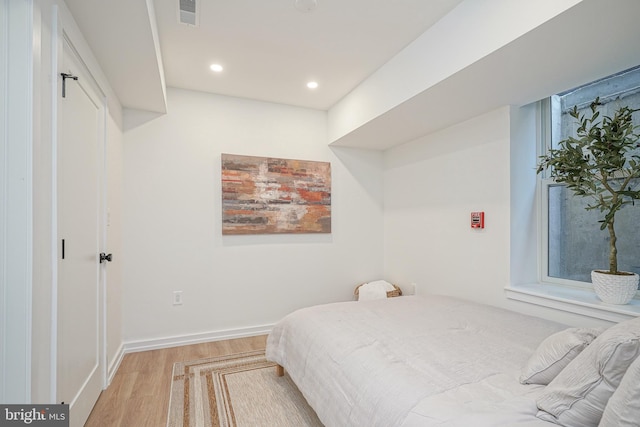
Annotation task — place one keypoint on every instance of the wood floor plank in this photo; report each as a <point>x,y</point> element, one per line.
<point>139,393</point>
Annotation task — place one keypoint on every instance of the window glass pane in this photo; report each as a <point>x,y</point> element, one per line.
<point>576,243</point>
<point>622,89</point>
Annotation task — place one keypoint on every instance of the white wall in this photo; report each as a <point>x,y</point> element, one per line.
<point>525,137</point>
<point>172,220</point>
<point>431,186</point>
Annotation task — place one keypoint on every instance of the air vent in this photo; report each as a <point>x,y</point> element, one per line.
<point>188,13</point>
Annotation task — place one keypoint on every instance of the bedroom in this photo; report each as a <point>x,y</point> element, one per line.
<point>384,223</point>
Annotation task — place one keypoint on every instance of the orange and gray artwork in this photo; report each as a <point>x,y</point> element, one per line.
<point>264,195</point>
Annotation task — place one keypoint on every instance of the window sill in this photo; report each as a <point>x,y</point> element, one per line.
<point>573,300</point>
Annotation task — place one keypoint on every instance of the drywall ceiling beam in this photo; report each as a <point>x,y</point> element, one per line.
<point>129,52</point>
<point>473,32</point>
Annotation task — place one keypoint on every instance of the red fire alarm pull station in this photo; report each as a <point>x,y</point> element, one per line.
<point>477,219</point>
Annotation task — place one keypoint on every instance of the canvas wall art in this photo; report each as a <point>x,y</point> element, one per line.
<point>265,195</point>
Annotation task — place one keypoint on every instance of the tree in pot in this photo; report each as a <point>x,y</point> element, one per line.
<point>602,163</point>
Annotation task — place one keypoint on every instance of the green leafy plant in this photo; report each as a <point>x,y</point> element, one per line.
<point>602,163</point>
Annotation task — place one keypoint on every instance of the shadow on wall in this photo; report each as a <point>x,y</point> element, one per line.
<point>134,118</point>
<point>484,129</point>
<point>363,164</point>
<point>276,239</point>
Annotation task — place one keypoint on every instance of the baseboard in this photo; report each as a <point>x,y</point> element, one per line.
<point>174,341</point>
<point>115,364</point>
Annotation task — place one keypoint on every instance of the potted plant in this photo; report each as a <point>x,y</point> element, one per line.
<point>602,162</point>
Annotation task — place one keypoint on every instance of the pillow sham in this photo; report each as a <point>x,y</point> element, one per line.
<point>623,409</point>
<point>555,352</point>
<point>578,395</point>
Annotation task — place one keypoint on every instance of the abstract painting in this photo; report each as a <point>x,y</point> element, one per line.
<point>265,195</point>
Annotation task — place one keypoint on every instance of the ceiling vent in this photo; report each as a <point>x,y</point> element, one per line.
<point>188,12</point>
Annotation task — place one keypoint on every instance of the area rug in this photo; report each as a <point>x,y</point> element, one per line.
<point>240,390</point>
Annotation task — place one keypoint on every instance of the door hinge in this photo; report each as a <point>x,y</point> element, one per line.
<point>66,76</point>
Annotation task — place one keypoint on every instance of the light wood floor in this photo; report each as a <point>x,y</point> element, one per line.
<point>139,393</point>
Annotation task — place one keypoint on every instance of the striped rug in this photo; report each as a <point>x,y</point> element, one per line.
<point>240,390</point>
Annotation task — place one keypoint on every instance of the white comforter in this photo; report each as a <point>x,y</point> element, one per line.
<point>411,361</point>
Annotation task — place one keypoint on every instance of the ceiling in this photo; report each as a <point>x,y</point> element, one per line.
<point>269,48</point>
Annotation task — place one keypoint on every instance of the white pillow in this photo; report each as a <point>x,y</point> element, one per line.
<point>555,352</point>
<point>623,409</point>
<point>374,290</point>
<point>578,395</point>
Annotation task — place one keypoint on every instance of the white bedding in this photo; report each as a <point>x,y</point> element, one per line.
<point>411,361</point>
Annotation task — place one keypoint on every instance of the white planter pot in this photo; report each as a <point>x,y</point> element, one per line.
<point>614,288</point>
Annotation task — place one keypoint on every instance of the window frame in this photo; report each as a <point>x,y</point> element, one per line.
<point>544,182</point>
<point>545,125</point>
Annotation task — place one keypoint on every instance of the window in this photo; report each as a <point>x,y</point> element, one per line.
<point>573,243</point>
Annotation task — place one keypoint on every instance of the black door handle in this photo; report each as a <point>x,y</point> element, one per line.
<point>105,257</point>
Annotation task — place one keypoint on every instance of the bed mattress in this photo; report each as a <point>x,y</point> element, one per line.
<point>412,361</point>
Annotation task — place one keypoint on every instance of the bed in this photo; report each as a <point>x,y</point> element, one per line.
<point>413,361</point>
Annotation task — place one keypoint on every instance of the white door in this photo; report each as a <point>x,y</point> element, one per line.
<point>79,195</point>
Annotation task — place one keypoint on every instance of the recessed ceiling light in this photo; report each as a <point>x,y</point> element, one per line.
<point>216,68</point>
<point>312,85</point>
<point>306,5</point>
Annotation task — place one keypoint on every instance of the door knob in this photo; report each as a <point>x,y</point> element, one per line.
<point>105,257</point>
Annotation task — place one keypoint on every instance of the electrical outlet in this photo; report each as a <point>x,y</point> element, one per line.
<point>413,289</point>
<point>177,297</point>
